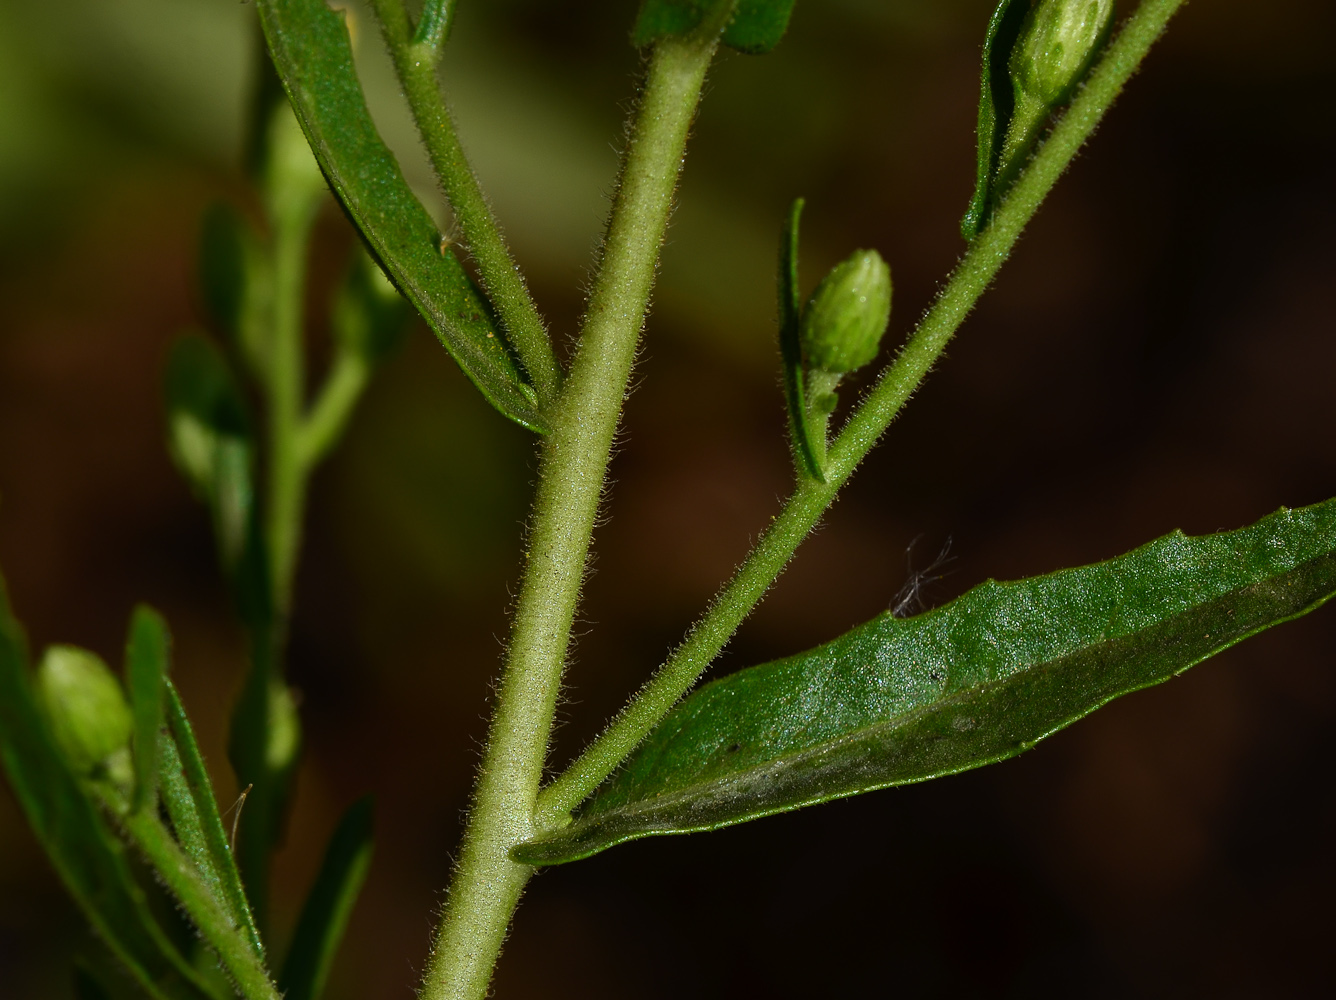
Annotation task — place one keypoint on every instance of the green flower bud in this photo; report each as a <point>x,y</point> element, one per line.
<point>85,706</point>
<point>1056,45</point>
<point>842,326</point>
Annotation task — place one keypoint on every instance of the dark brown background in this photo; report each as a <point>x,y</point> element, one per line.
<point>1158,354</point>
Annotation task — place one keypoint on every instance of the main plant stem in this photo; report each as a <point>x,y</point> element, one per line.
<point>810,500</point>
<point>487,883</point>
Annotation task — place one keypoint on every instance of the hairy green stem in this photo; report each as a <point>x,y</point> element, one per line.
<point>487,883</point>
<point>243,962</point>
<point>969,280</point>
<point>415,63</point>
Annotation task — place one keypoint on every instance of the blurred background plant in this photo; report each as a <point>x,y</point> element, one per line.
<point>1158,354</point>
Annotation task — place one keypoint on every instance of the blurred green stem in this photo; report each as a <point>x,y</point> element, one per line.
<point>285,388</point>
<point>331,410</point>
<point>265,731</point>
<point>897,383</point>
<point>487,883</point>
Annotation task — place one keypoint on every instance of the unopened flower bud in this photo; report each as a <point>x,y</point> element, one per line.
<point>846,316</point>
<point>1056,44</point>
<point>85,706</point>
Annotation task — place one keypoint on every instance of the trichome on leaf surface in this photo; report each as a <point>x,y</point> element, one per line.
<point>109,770</point>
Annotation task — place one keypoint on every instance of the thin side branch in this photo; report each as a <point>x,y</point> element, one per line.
<point>881,406</point>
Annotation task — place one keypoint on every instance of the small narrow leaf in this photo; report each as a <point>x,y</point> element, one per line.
<point>86,856</point>
<point>179,801</point>
<point>756,28</point>
<point>996,103</point>
<point>805,445</point>
<point>185,775</point>
<point>325,915</point>
<point>311,51</point>
<point>209,437</point>
<point>146,658</point>
<point>208,434</point>
<point>976,681</point>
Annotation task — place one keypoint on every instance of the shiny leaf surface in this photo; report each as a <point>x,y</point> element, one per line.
<point>976,681</point>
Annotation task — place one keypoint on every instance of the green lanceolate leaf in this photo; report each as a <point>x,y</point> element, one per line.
<point>996,103</point>
<point>179,801</point>
<point>329,905</point>
<point>757,25</point>
<point>188,793</point>
<point>976,681</point>
<point>809,452</point>
<point>146,657</point>
<point>83,851</point>
<point>310,48</point>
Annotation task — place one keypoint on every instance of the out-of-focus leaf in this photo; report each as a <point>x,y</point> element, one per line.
<point>996,103</point>
<point>209,438</point>
<point>370,317</point>
<point>978,680</point>
<point>329,905</point>
<point>89,860</point>
<point>791,352</point>
<point>310,48</point>
<point>756,28</point>
<point>186,780</point>
<point>222,265</point>
<point>234,281</point>
<point>146,658</point>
